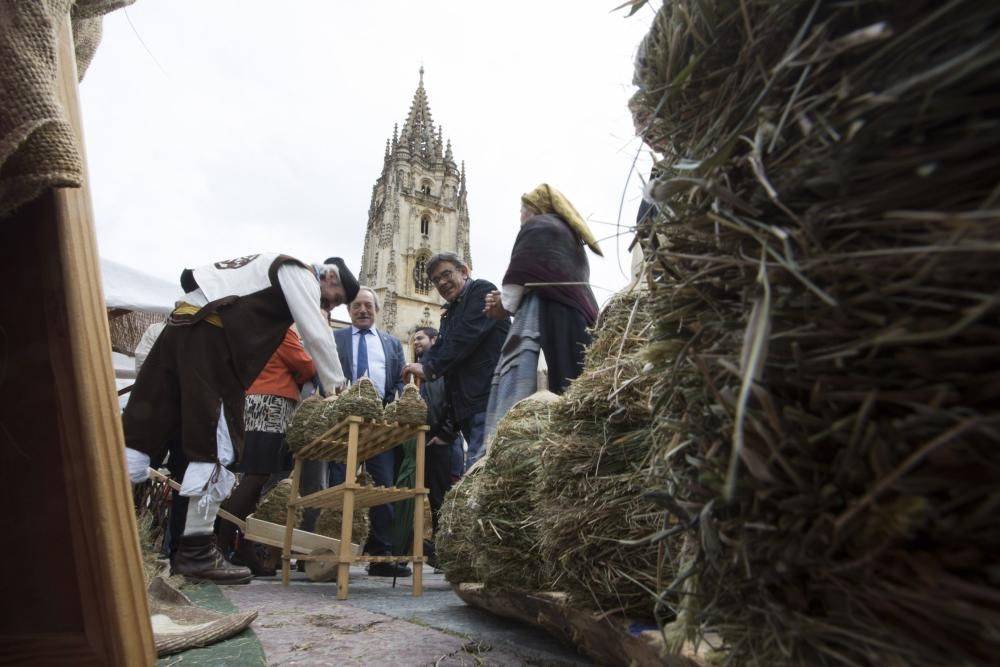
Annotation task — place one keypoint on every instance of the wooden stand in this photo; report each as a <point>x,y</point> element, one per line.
<point>350,441</point>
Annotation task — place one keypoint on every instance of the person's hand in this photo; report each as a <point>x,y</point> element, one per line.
<point>437,441</point>
<point>494,307</point>
<point>413,369</point>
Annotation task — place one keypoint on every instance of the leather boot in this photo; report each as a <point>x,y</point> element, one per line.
<point>198,557</point>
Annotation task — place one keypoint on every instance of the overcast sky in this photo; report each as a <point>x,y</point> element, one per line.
<point>220,128</point>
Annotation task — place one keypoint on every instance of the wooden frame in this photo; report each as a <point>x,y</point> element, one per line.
<point>343,442</point>
<point>75,591</point>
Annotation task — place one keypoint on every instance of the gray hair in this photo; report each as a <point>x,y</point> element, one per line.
<point>365,288</point>
<point>449,257</point>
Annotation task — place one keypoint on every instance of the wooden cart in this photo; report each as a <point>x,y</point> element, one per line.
<point>350,441</point>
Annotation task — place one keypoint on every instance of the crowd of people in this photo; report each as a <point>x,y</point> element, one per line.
<point>251,337</point>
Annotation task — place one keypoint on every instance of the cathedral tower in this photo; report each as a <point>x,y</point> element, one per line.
<point>418,208</point>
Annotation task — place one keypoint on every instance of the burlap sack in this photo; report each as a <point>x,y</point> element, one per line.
<point>38,149</point>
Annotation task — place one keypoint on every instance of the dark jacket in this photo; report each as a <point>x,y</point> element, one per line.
<point>467,350</point>
<point>439,416</point>
<point>394,360</point>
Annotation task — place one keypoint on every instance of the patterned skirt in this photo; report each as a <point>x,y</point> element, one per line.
<point>265,419</point>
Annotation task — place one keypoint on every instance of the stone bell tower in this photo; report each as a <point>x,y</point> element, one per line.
<point>418,208</point>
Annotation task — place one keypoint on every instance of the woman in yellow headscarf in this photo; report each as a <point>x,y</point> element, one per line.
<point>548,265</point>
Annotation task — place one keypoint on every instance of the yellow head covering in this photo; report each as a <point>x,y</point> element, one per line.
<point>546,199</point>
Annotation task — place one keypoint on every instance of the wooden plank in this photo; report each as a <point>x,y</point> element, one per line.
<point>303,542</point>
<point>418,517</point>
<point>290,517</point>
<point>82,538</point>
<point>607,639</point>
<point>347,515</point>
<point>373,439</point>
<point>364,496</point>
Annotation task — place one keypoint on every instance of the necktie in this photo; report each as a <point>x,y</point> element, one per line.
<point>361,365</point>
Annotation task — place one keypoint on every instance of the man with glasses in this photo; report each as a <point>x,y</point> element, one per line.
<point>467,347</point>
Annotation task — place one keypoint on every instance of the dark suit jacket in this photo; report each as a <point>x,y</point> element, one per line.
<point>467,349</point>
<point>394,360</point>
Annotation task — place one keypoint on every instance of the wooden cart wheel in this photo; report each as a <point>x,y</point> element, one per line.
<point>319,570</point>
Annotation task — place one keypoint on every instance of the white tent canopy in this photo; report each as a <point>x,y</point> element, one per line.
<point>130,289</point>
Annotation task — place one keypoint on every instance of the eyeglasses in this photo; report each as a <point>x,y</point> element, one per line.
<point>444,276</point>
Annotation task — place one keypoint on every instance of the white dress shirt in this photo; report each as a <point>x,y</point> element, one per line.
<point>376,357</point>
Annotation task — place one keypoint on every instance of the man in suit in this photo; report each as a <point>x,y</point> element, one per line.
<point>365,349</point>
<point>467,347</point>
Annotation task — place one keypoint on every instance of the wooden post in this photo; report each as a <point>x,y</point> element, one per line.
<point>286,548</point>
<point>418,517</point>
<point>347,509</point>
<point>77,594</point>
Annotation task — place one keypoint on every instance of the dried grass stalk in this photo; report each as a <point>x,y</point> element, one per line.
<point>596,528</point>
<point>613,386</point>
<point>456,541</point>
<point>507,556</point>
<point>410,407</point>
<point>359,400</point>
<point>329,523</point>
<point>273,506</point>
<point>824,274</point>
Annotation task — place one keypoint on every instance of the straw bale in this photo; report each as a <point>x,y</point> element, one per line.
<point>273,506</point>
<point>329,523</point>
<point>359,400</point>
<point>410,407</point>
<point>507,556</point>
<point>596,527</point>
<point>458,527</point>
<point>306,422</point>
<point>614,385</point>
<point>824,276</point>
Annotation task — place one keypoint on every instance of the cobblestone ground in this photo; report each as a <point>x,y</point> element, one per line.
<point>305,624</point>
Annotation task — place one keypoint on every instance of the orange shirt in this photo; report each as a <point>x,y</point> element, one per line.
<point>289,367</point>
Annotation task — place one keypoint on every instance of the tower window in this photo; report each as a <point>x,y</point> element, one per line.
<point>425,224</point>
<point>425,187</point>
<point>421,283</point>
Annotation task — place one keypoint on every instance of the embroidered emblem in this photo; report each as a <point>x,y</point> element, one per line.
<point>235,263</point>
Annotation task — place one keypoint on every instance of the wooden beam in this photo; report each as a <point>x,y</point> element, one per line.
<point>609,640</point>
<point>61,417</point>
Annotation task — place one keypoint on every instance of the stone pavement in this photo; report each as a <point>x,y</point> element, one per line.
<point>305,624</point>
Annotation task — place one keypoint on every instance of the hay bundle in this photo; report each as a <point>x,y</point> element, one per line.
<point>389,412</point>
<point>595,525</point>
<point>273,506</point>
<point>309,421</point>
<point>613,386</point>
<point>410,407</point>
<point>824,274</point>
<point>359,400</point>
<point>458,529</point>
<point>507,556</point>
<point>329,523</point>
